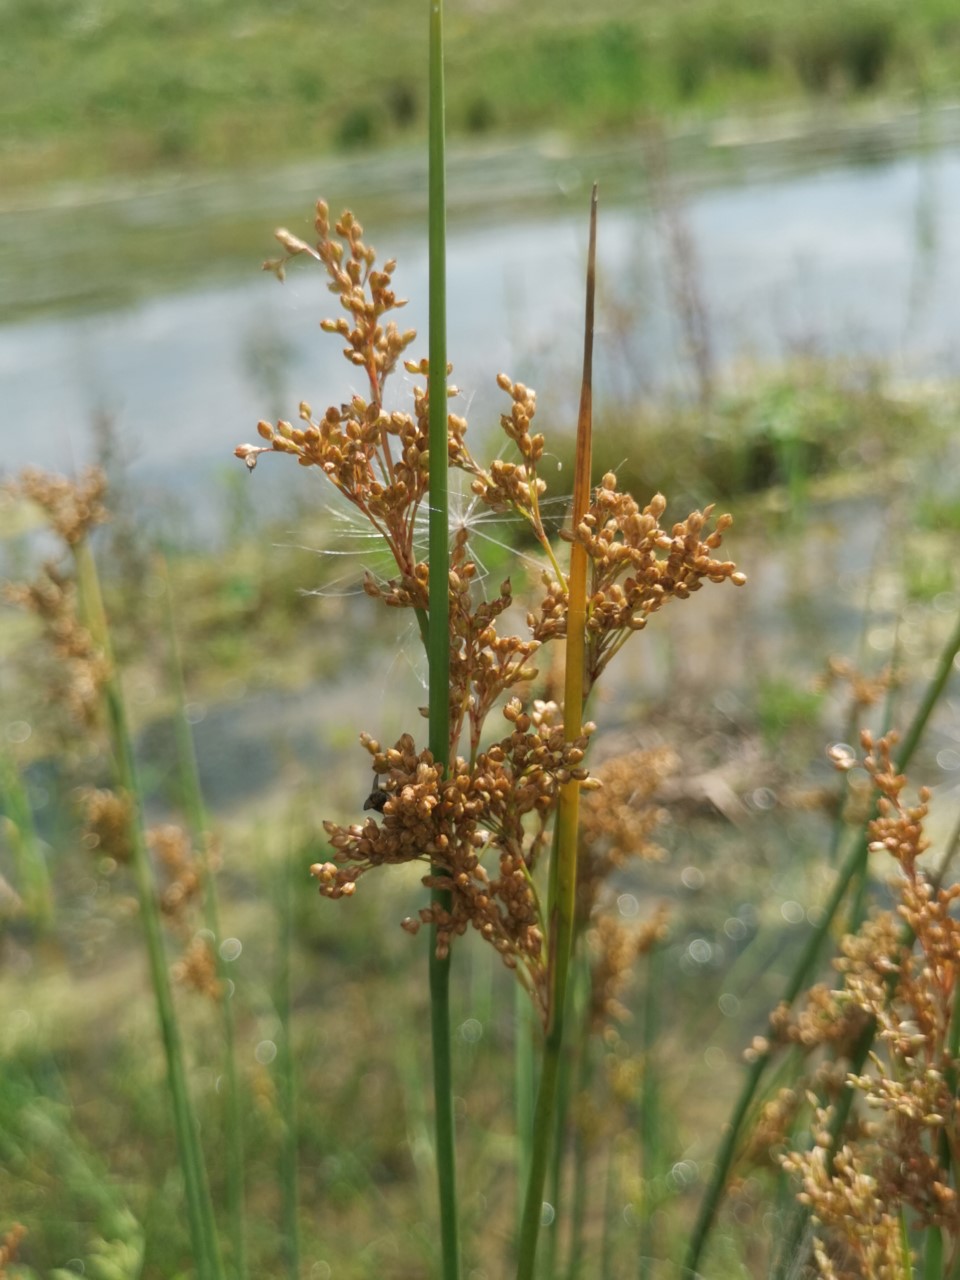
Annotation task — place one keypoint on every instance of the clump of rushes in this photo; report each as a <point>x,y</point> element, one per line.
<point>853,1044</point>
<point>895,1160</point>
<point>70,608</point>
<point>481,825</point>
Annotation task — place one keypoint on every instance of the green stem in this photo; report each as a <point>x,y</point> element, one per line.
<point>195,808</point>
<point>610,1188</point>
<point>650,1108</point>
<point>542,1130</point>
<point>932,1253</point>
<point>582,1144</point>
<point>524,1087</point>
<point>199,1209</point>
<point>558,1152</point>
<point>438,644</point>
<point>930,698</point>
<point>285,1075</point>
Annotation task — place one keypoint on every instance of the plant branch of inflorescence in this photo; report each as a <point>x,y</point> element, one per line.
<point>498,799</point>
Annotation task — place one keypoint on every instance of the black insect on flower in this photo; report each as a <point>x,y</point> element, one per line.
<point>376,799</point>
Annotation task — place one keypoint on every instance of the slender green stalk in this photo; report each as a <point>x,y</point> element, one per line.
<point>524,1086</point>
<point>581,1143</point>
<point>559,1149</point>
<point>542,1133</point>
<point>289,1194</point>
<point>563,878</point>
<point>192,797</point>
<point>851,869</point>
<point>932,1253</point>
<point>931,697</point>
<point>203,1233</point>
<point>610,1187</point>
<point>650,1107</point>
<point>438,640</point>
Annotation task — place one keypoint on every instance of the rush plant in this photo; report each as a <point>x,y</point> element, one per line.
<point>490,813</point>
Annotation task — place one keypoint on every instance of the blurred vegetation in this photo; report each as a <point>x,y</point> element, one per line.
<point>777,432</point>
<point>87,1160</point>
<point>94,88</point>
<point>97,88</point>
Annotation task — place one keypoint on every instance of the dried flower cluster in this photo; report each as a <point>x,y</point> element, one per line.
<point>900,974</point>
<point>10,1247</point>
<point>106,817</point>
<point>451,823</point>
<point>73,507</point>
<point>636,568</point>
<point>179,899</point>
<point>865,691</point>
<point>197,968</point>
<point>864,1226</point>
<point>613,948</point>
<point>495,803</point>
<point>617,823</point>
<point>171,847</point>
<point>82,669</point>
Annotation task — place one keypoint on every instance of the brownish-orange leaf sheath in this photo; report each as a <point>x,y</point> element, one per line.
<point>564,899</point>
<point>563,870</point>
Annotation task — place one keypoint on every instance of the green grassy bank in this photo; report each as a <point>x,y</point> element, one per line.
<point>102,87</point>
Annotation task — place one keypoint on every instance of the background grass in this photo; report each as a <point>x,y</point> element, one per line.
<point>96,88</point>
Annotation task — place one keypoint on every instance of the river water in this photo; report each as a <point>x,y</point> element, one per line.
<point>147,308</point>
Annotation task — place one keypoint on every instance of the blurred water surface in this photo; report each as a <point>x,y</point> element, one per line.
<point>145,307</point>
